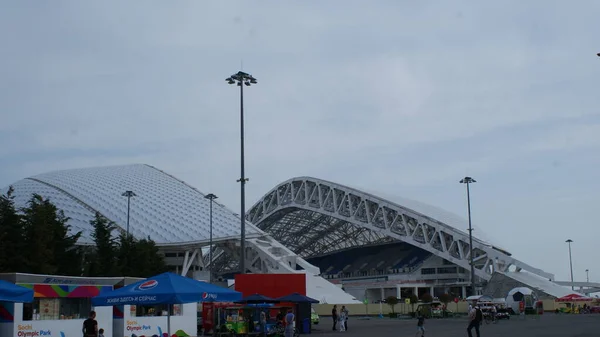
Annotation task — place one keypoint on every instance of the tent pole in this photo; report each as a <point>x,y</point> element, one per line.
<point>169,324</point>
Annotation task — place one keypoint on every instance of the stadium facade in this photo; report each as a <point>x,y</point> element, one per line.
<point>338,236</point>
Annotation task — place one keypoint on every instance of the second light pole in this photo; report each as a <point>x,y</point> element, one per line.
<point>571,263</point>
<point>210,197</point>
<point>467,181</point>
<point>129,195</point>
<point>242,79</point>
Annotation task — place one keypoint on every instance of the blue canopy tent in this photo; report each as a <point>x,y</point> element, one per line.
<point>257,298</point>
<point>297,298</point>
<point>167,288</point>
<point>13,293</point>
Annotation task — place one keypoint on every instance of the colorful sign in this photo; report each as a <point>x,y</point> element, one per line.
<point>133,326</point>
<point>70,291</point>
<point>27,330</point>
<point>151,284</point>
<point>209,296</point>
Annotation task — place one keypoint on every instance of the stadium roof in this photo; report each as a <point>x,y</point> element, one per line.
<point>439,214</point>
<point>166,209</point>
<point>313,217</point>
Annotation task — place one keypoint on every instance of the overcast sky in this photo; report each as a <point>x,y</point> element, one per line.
<point>400,97</point>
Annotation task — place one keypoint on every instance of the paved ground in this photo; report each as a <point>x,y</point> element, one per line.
<point>548,325</point>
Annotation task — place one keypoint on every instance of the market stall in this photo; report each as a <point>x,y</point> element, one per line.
<point>173,299</point>
<point>60,304</point>
<point>570,302</point>
<point>302,310</point>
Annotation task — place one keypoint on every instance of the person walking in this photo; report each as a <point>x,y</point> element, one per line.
<point>263,323</point>
<point>420,325</point>
<point>475,317</point>
<point>334,316</point>
<point>289,324</point>
<point>90,326</point>
<point>346,316</point>
<point>342,320</point>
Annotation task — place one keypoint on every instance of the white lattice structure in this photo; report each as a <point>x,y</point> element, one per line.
<point>313,217</point>
<point>172,213</point>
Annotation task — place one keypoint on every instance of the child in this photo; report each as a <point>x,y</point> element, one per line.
<point>420,323</point>
<point>101,333</point>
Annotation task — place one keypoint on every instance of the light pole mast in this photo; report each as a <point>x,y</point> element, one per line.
<point>467,181</point>
<point>242,79</point>
<point>587,275</point>
<point>129,195</point>
<point>571,263</point>
<point>211,197</point>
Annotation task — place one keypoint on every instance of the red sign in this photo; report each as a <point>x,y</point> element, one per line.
<point>521,306</point>
<point>456,300</point>
<point>271,285</point>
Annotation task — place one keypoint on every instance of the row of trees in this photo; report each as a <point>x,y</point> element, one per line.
<point>38,239</point>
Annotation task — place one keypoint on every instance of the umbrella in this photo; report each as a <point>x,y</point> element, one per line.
<point>297,298</point>
<point>257,298</point>
<point>167,288</point>
<point>13,293</point>
<point>574,298</point>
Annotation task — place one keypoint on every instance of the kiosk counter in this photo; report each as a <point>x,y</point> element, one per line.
<point>61,304</point>
<point>57,310</point>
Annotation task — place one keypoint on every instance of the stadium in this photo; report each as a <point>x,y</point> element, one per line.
<point>351,245</point>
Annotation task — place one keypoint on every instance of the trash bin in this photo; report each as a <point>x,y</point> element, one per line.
<point>306,325</point>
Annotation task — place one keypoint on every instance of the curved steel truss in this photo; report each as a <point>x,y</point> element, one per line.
<point>312,217</point>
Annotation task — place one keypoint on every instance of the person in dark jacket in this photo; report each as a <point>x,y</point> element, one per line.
<point>334,316</point>
<point>420,324</point>
<point>90,326</point>
<point>475,318</point>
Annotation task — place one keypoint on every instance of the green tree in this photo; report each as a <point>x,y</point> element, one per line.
<point>51,249</point>
<point>445,298</point>
<point>12,240</point>
<point>139,258</point>
<point>125,261</point>
<point>413,300</point>
<point>392,301</point>
<point>150,261</point>
<point>426,298</point>
<point>102,262</point>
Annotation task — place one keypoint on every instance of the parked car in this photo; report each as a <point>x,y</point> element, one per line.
<point>595,310</point>
<point>503,314</point>
<point>314,317</point>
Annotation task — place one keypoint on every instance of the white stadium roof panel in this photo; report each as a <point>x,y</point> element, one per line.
<point>438,214</point>
<point>165,209</point>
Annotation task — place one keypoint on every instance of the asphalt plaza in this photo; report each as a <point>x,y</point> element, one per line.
<point>547,325</point>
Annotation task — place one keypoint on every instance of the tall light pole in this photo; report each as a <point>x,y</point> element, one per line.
<point>587,275</point>
<point>241,79</point>
<point>468,181</point>
<point>571,263</point>
<point>129,195</point>
<point>210,197</point>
